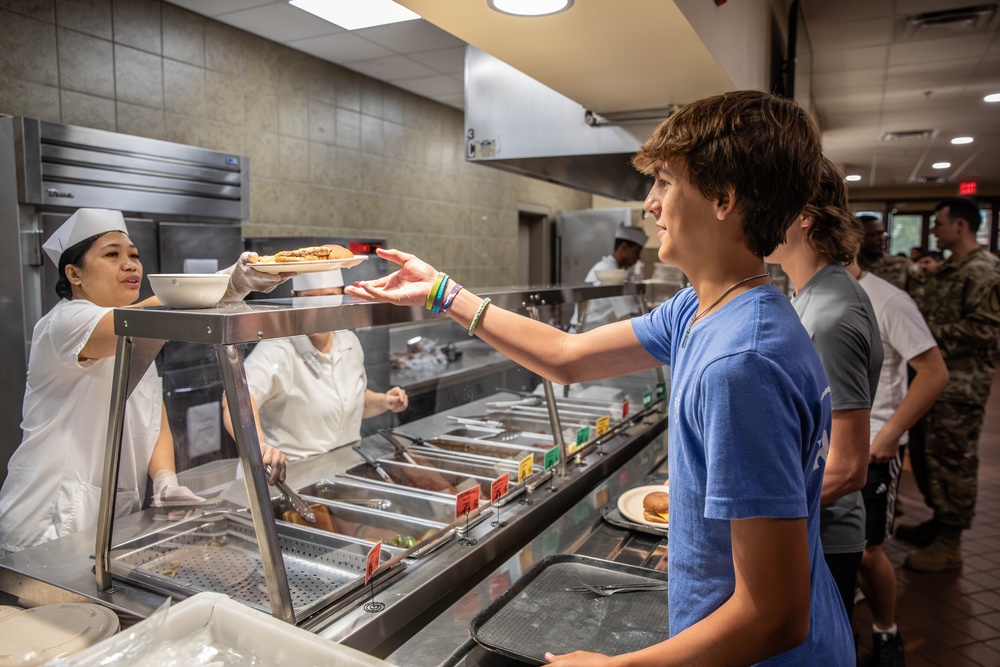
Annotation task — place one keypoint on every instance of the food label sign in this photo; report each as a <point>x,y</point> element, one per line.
<point>603,424</point>
<point>647,399</point>
<point>524,468</point>
<point>625,410</point>
<point>466,501</point>
<point>498,489</point>
<point>582,436</point>
<point>661,390</point>
<point>552,457</point>
<point>372,560</point>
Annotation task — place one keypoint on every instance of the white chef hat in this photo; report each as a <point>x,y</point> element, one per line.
<point>319,280</point>
<point>633,234</point>
<point>83,224</point>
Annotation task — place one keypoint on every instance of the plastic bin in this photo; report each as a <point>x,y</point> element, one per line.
<point>238,627</point>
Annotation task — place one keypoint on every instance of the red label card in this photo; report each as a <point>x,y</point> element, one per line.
<point>498,489</point>
<point>372,560</point>
<point>466,501</point>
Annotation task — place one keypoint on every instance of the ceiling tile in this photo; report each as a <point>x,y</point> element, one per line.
<point>849,59</point>
<point>446,61</point>
<point>817,11</point>
<point>391,69</point>
<point>409,37</point>
<point>217,7</point>
<point>341,48</point>
<point>939,50</point>
<point>281,23</point>
<point>456,101</point>
<point>833,35</point>
<point>431,86</point>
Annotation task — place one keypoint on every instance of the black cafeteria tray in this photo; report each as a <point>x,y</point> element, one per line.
<point>537,614</point>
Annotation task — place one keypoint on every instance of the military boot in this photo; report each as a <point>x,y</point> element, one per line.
<point>944,553</point>
<point>920,535</point>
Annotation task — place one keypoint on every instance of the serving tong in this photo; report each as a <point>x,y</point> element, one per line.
<point>300,505</point>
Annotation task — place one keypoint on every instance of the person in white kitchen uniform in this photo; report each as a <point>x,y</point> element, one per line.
<point>53,485</point>
<point>629,242</point>
<point>310,393</point>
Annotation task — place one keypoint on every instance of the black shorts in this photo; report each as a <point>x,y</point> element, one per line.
<point>880,499</point>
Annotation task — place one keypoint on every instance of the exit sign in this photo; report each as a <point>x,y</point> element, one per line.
<point>967,188</point>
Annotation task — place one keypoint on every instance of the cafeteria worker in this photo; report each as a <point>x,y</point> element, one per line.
<point>53,485</point>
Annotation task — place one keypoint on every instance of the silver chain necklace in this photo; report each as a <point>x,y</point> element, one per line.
<point>698,316</point>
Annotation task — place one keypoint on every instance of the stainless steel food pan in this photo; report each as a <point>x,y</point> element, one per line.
<point>402,500</point>
<point>371,525</point>
<point>218,552</point>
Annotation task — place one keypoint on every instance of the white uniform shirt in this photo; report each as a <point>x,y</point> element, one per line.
<point>53,485</point>
<point>303,412</point>
<point>608,309</point>
<point>904,336</point>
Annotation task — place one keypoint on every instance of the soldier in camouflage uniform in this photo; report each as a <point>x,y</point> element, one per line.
<point>874,259</point>
<point>962,306</point>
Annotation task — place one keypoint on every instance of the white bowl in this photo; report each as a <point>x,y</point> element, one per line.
<point>611,276</point>
<point>189,290</point>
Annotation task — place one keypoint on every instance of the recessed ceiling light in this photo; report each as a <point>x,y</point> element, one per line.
<point>962,140</point>
<point>354,15</point>
<point>853,178</point>
<point>530,7</point>
<point>940,165</point>
<point>992,97</point>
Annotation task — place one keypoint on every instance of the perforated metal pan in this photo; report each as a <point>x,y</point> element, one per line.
<point>219,553</point>
<point>537,614</point>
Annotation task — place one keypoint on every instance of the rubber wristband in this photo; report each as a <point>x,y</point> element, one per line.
<point>440,294</point>
<point>433,293</point>
<point>479,313</point>
<point>451,297</point>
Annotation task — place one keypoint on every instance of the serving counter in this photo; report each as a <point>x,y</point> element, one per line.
<point>411,584</point>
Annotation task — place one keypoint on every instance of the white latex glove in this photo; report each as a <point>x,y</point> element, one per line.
<point>243,279</point>
<point>166,488</point>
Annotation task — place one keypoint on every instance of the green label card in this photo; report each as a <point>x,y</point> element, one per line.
<point>552,457</point>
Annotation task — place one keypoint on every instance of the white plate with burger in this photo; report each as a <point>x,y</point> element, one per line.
<point>310,259</point>
<point>635,507</point>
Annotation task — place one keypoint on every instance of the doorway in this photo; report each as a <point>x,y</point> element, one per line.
<point>533,264</point>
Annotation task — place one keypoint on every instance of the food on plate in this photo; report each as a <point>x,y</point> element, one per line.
<point>656,507</point>
<point>308,254</point>
<point>402,541</point>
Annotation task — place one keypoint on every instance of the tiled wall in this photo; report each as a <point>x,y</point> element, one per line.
<point>331,151</point>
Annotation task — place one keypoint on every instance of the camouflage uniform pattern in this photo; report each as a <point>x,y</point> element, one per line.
<point>961,303</point>
<point>890,268</point>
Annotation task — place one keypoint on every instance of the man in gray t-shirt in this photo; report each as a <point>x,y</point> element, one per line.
<point>841,322</point>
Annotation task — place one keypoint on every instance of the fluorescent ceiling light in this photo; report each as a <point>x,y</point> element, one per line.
<point>992,97</point>
<point>356,14</point>
<point>962,140</point>
<point>853,178</point>
<point>530,7</point>
<point>940,165</point>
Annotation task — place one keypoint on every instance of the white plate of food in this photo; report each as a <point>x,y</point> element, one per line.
<point>313,266</point>
<point>630,504</point>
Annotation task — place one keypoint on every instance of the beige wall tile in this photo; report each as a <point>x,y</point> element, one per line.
<point>260,62</point>
<point>138,77</point>
<point>223,48</point>
<point>322,122</point>
<point>27,98</point>
<point>28,49</point>
<point>262,149</point>
<point>293,159</point>
<point>137,24</point>
<point>322,164</point>
<point>261,109</point>
<point>224,138</point>
<point>141,121</point>
<point>90,16</point>
<point>224,99</point>
<point>372,137</point>
<point>348,169</point>
<point>183,35</point>
<point>86,63</point>
<point>88,110</point>
<point>348,89</point>
<point>183,88</point>
<point>293,115</point>
<point>43,10</point>
<point>348,129</point>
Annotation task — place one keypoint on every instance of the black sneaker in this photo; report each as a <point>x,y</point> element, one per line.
<point>887,650</point>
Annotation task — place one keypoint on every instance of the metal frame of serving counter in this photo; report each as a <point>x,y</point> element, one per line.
<point>225,327</point>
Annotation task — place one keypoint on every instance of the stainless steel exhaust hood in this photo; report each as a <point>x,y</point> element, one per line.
<point>513,122</point>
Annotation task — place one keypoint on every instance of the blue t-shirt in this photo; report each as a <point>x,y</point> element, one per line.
<point>749,434</point>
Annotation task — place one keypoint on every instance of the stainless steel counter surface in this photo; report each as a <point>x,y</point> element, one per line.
<point>62,570</point>
<point>446,641</point>
<point>477,359</point>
